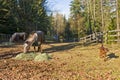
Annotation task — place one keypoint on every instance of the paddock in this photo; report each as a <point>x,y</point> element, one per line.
<point>70,61</point>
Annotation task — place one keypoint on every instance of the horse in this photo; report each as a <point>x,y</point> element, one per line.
<point>36,38</point>
<point>18,36</point>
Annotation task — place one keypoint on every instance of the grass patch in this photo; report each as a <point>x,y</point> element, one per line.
<point>42,57</point>
<point>24,56</point>
<point>33,56</point>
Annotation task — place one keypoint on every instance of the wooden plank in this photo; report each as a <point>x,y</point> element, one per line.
<point>114,40</point>
<point>114,31</point>
<point>113,35</point>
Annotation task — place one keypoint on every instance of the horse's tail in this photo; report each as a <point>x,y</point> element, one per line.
<point>10,40</point>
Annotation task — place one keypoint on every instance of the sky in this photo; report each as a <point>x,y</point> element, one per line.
<point>60,6</point>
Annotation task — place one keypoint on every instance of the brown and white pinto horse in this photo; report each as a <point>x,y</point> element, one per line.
<point>36,38</point>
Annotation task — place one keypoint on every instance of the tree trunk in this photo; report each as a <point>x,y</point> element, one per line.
<point>102,21</point>
<point>94,18</point>
<point>117,19</point>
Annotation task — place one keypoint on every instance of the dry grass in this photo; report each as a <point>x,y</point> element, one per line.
<point>70,61</point>
<point>86,62</point>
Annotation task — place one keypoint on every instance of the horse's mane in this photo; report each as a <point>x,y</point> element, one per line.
<point>31,34</point>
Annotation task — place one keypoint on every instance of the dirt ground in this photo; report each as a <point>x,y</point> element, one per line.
<point>70,61</point>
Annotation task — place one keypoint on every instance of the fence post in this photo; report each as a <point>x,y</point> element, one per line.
<point>84,40</point>
<point>106,37</point>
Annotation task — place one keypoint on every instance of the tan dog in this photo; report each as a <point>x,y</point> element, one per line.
<point>103,51</point>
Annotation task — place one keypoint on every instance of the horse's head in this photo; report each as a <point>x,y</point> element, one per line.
<point>26,46</point>
<point>31,39</point>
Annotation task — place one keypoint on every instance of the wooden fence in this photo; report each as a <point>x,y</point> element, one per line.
<point>112,36</point>
<point>92,38</point>
<point>105,37</point>
<point>4,37</point>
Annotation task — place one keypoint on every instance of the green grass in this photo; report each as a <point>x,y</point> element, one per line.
<point>42,57</point>
<point>33,56</point>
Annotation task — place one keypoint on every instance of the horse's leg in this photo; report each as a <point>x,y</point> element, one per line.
<point>34,49</point>
<point>39,48</point>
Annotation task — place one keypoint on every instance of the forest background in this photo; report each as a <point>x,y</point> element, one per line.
<point>86,17</point>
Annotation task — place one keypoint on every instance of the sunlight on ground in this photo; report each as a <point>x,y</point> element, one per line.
<point>70,61</point>
<point>86,59</point>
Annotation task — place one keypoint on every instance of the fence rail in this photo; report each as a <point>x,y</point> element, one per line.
<point>4,37</point>
<point>95,37</point>
<point>113,36</point>
<point>107,37</point>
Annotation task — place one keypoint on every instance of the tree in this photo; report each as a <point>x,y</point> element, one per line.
<point>76,19</point>
<point>95,15</point>
<point>59,24</point>
<point>117,19</point>
<point>23,15</point>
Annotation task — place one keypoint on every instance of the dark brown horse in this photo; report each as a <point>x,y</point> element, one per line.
<point>18,36</point>
<point>36,38</point>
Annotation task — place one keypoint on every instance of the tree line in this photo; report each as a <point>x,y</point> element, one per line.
<point>89,16</point>
<point>86,17</point>
<point>23,15</point>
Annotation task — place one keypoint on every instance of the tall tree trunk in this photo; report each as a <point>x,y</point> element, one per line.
<point>88,17</point>
<point>94,18</point>
<point>117,19</point>
<point>102,21</point>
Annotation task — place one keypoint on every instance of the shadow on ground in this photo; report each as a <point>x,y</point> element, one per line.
<point>112,55</point>
<point>52,49</point>
<point>61,47</point>
<point>8,55</point>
